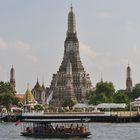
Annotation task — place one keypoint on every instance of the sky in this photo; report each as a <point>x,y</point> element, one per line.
<point>32,34</point>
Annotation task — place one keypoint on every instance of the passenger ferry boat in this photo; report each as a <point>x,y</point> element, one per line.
<point>58,128</point>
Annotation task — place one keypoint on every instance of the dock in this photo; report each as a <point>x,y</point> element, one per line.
<point>106,117</point>
<point>2,116</point>
<point>92,116</point>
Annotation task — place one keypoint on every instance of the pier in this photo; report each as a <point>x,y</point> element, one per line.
<point>108,117</point>
<point>2,116</point>
<point>92,116</point>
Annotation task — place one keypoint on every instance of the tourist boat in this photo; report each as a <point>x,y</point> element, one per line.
<point>58,128</point>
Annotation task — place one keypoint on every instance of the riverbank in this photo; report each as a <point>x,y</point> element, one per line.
<point>108,117</point>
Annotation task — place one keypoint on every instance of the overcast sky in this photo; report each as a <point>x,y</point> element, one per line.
<point>32,34</point>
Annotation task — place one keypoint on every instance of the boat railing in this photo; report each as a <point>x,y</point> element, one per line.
<point>66,114</point>
<point>77,114</point>
<point>32,114</point>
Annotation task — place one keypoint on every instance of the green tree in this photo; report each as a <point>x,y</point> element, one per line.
<point>105,87</point>
<point>38,107</point>
<point>103,93</point>
<point>8,99</point>
<point>136,91</point>
<point>6,88</point>
<point>120,97</point>
<point>7,95</point>
<point>101,98</point>
<point>91,97</point>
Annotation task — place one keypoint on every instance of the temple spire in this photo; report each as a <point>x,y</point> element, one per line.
<point>12,78</point>
<point>101,78</point>
<point>128,71</point>
<point>71,7</point>
<point>37,85</point>
<point>71,21</point>
<point>69,90</point>
<point>27,85</point>
<point>43,84</point>
<point>37,80</point>
<point>128,79</point>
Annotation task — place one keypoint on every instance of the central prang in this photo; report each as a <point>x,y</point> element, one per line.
<point>71,83</point>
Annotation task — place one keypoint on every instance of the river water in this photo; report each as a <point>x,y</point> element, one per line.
<point>100,131</point>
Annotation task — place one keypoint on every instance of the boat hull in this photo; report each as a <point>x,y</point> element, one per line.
<point>56,135</point>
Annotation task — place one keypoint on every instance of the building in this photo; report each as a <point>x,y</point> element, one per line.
<point>28,97</point>
<point>71,80</point>
<point>21,98</point>
<point>128,80</point>
<point>12,78</point>
<point>39,93</point>
<point>29,101</point>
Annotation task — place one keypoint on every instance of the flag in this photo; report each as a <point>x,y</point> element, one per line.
<point>17,122</point>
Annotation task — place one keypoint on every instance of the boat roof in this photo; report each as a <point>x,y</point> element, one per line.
<point>57,120</point>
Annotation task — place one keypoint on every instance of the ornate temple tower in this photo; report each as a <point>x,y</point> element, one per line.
<point>69,90</point>
<point>28,97</point>
<point>71,72</point>
<point>39,93</point>
<point>128,80</point>
<point>12,78</point>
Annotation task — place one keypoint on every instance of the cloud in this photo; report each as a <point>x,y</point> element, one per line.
<point>87,50</point>
<point>100,59</point>
<point>18,49</point>
<point>32,58</point>
<point>3,44</point>
<point>20,45</point>
<point>14,44</point>
<point>103,14</point>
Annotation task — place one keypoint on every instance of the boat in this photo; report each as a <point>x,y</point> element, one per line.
<point>58,128</point>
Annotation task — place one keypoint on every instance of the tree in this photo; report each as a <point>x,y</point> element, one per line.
<point>136,91</point>
<point>38,107</point>
<point>101,98</point>
<point>103,93</point>
<point>91,97</point>
<point>120,97</point>
<point>6,88</point>
<point>105,87</point>
<point>7,95</point>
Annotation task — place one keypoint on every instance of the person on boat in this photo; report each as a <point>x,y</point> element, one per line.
<point>77,128</point>
<point>28,129</point>
<point>82,128</point>
<point>71,127</point>
<point>56,128</point>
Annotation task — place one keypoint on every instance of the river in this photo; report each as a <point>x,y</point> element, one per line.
<point>100,131</point>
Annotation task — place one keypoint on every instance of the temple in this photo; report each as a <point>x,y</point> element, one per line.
<point>71,80</point>
<point>39,93</point>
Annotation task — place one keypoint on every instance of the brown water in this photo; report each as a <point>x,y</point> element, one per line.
<point>100,131</point>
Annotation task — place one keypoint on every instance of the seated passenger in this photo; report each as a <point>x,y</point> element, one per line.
<point>28,129</point>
